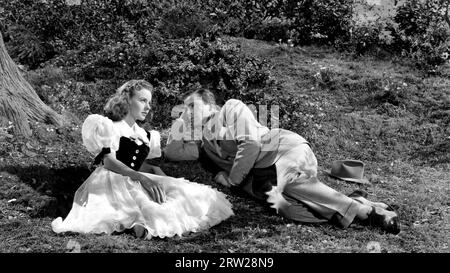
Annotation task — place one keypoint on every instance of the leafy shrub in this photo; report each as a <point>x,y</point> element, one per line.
<point>182,21</point>
<point>370,37</point>
<point>41,30</point>
<point>91,24</point>
<point>173,66</point>
<point>110,42</point>
<point>424,32</point>
<point>419,31</point>
<point>321,21</point>
<point>426,50</point>
<point>42,77</point>
<point>28,49</point>
<point>304,22</point>
<point>271,29</point>
<point>101,44</point>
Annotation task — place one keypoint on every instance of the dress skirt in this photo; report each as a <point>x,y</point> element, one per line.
<point>108,202</point>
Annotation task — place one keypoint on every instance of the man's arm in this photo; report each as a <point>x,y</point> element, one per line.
<point>245,131</point>
<point>180,150</point>
<point>177,149</point>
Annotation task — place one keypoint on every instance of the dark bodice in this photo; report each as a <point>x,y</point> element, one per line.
<point>129,153</point>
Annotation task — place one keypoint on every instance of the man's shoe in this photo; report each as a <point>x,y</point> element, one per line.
<point>378,219</point>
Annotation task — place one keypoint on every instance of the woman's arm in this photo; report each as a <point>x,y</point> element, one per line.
<point>149,168</point>
<point>153,188</point>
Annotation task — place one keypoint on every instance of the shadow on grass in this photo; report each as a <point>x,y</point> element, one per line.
<point>249,212</point>
<point>53,188</point>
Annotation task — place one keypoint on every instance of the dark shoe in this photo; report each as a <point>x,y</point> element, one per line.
<point>139,231</point>
<point>375,219</point>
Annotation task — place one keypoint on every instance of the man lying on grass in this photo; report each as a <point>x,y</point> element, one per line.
<point>275,166</point>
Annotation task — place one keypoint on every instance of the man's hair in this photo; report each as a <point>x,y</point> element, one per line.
<point>118,105</point>
<point>205,94</point>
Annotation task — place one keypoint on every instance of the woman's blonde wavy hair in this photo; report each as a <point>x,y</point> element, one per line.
<point>118,105</point>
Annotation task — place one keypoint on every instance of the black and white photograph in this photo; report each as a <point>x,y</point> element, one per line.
<point>241,128</point>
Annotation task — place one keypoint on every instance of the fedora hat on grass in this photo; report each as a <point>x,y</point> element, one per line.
<point>348,170</point>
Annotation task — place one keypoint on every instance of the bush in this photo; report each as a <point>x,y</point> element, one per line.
<point>108,42</point>
<point>321,21</point>
<point>96,22</point>
<point>28,49</point>
<point>184,21</point>
<point>418,31</point>
<point>40,30</point>
<point>304,22</point>
<point>426,50</point>
<point>423,32</point>
<point>370,37</point>
<point>62,27</point>
<point>173,66</point>
<point>271,29</point>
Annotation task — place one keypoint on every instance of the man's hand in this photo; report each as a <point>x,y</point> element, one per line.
<point>222,178</point>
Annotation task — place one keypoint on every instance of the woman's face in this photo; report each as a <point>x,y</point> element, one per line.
<point>140,104</point>
<point>196,109</point>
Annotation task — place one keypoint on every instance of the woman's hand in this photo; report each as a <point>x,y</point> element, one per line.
<point>222,178</point>
<point>154,189</point>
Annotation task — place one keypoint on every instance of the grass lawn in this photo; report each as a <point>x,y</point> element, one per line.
<point>386,114</point>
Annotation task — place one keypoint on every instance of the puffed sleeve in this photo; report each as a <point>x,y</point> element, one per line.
<point>98,134</point>
<point>155,145</point>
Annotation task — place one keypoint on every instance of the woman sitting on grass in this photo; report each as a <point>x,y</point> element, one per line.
<point>119,196</point>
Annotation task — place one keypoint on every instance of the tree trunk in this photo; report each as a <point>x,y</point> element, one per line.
<point>19,103</point>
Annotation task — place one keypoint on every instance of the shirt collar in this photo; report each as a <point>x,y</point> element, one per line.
<point>126,125</point>
<point>134,132</point>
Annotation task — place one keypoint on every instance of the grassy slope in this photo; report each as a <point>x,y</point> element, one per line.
<point>347,108</point>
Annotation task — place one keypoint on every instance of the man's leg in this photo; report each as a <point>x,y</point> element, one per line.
<point>297,179</point>
<point>323,200</point>
<point>263,179</point>
<point>308,203</point>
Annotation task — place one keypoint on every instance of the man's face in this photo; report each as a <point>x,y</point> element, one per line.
<point>196,110</point>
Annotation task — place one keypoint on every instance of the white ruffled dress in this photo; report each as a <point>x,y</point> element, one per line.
<point>108,202</point>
